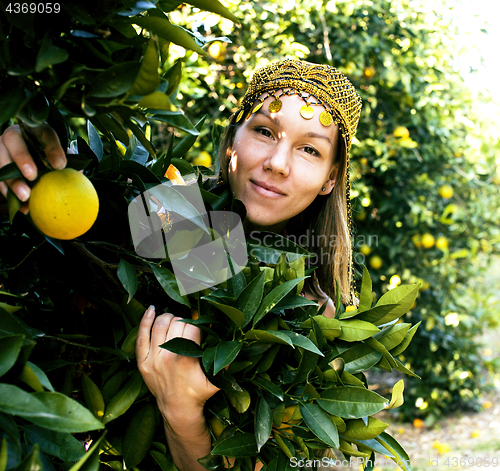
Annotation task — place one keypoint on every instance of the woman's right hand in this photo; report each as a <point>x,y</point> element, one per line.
<point>13,148</point>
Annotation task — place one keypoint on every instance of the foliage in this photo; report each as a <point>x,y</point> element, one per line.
<point>420,129</point>
<point>70,309</point>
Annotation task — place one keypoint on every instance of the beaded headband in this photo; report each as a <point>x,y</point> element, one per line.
<point>316,84</point>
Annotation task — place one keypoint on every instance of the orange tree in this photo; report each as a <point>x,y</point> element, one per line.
<point>423,164</point>
<point>69,308</point>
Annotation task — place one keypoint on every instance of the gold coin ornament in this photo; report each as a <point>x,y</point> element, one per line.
<point>275,105</point>
<point>258,107</point>
<point>307,112</point>
<point>325,118</point>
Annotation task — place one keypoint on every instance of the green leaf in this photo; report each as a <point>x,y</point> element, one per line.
<point>49,55</point>
<point>404,296</point>
<point>360,358</point>
<point>269,386</point>
<point>351,402</point>
<point>128,278</point>
<point>275,297</point>
<point>240,400</point>
<point>93,397</point>
<point>165,463</point>
<point>12,97</point>
<point>121,401</point>
<point>397,398</point>
<point>54,411</point>
<point>183,346</point>
<point>360,430</point>
<point>166,30</point>
<point>269,336</point>
<point>215,7</point>
<point>233,313</point>
<point>65,414</point>
<point>181,149</point>
<point>396,451</point>
<point>366,295</point>
<point>168,282</point>
<point>177,120</point>
<point>32,462</point>
<point>263,422</point>
<point>378,347</point>
<point>10,347</point>
<point>3,454</point>
<point>268,247</point>
<point>10,171</point>
<point>392,336</point>
<point>320,423</point>
<point>354,330</point>
<point>13,203</point>
<point>95,142</point>
<point>115,81</point>
<point>237,446</point>
<point>406,341</point>
<point>90,460</point>
<point>330,328</point>
<point>225,353</point>
<point>139,435</point>
<point>174,201</point>
<point>62,445</point>
<point>301,341</point>
<point>377,312</point>
<point>9,324</point>
<point>251,297</point>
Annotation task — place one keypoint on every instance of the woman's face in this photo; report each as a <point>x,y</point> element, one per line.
<point>280,162</point>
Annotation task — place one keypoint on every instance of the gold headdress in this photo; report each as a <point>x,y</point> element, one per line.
<point>317,85</point>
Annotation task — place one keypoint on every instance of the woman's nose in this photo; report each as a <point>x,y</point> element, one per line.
<point>278,160</point>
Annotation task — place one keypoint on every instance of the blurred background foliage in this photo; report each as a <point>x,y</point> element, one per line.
<point>424,167</point>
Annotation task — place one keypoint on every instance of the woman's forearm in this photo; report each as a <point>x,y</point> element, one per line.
<point>188,439</point>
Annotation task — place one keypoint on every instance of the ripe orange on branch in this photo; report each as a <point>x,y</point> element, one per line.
<point>64,204</point>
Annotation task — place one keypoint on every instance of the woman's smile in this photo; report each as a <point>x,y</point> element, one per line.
<point>267,190</point>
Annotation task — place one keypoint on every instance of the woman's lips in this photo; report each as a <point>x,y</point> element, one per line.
<point>264,189</point>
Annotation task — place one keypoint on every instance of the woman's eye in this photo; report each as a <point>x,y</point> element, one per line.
<point>265,132</point>
<point>310,150</point>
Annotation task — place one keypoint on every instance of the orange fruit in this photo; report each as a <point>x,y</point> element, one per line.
<point>428,240</point>
<point>442,243</point>
<point>401,132</point>
<point>174,175</point>
<point>446,191</point>
<point>203,159</point>
<point>418,423</point>
<point>417,240</point>
<point>376,262</point>
<point>365,249</point>
<point>64,204</point>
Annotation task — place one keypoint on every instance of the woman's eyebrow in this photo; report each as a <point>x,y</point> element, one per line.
<point>267,114</point>
<point>318,136</point>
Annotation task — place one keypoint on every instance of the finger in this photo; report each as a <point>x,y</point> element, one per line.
<point>159,331</point>
<point>51,146</point>
<point>192,332</point>
<point>14,149</point>
<point>142,344</point>
<point>176,328</point>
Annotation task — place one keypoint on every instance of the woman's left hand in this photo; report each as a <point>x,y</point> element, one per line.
<point>179,385</point>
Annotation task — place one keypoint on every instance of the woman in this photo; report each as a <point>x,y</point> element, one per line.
<point>285,156</point>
